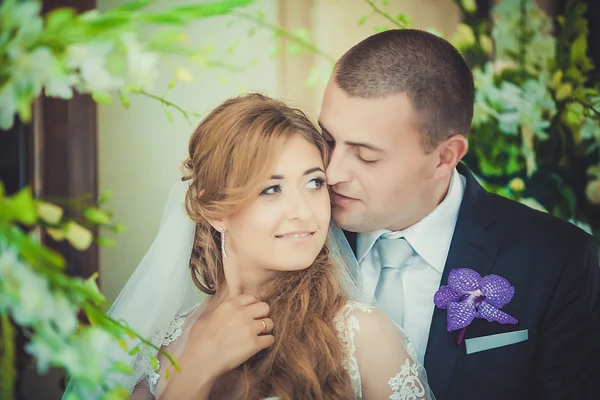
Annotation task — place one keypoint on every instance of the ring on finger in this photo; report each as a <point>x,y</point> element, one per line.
<point>264,326</point>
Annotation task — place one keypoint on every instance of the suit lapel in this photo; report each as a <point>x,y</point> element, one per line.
<point>472,247</point>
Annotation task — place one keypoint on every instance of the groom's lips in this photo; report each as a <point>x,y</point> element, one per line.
<point>341,200</point>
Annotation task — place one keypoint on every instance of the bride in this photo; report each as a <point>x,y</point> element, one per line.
<point>249,227</point>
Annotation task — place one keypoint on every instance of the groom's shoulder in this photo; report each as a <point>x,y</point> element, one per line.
<point>526,220</point>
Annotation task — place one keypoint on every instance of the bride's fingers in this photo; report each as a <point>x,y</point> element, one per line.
<point>264,325</point>
<point>263,342</point>
<point>258,310</point>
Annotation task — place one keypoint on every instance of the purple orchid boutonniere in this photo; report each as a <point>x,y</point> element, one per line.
<point>468,296</point>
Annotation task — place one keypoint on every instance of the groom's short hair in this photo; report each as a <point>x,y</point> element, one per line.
<point>433,74</point>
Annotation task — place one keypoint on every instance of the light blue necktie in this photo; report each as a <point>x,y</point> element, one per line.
<point>393,255</point>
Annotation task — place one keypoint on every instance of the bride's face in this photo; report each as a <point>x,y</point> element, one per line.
<point>286,226</point>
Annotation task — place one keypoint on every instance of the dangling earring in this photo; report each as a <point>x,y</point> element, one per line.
<point>223,241</point>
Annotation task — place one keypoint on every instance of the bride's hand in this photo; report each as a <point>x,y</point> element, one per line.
<point>235,331</point>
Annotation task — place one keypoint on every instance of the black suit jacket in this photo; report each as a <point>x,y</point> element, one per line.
<point>553,266</point>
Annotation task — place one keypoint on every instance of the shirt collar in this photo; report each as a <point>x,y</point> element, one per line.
<point>430,237</point>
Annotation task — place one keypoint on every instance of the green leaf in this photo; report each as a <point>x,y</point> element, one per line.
<point>403,19</point>
<point>93,294</point>
<point>122,368</point>
<point>470,6</point>
<point>299,45</point>
<point>119,228</point>
<point>362,20</point>
<point>556,79</point>
<point>154,363</point>
<point>96,215</point>
<point>133,6</point>
<point>106,241</point>
<point>102,97</point>
<point>381,28</point>
<point>59,18</point>
<point>134,351</point>
<point>211,9</point>
<point>7,357</point>
<point>171,17</point>
<point>20,208</point>
<point>105,196</point>
<point>578,49</point>
<point>31,250</point>
<point>124,100</point>
<point>564,91</point>
<point>118,393</point>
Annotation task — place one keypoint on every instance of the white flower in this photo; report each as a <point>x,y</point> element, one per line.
<point>91,363</point>
<point>42,351</point>
<point>49,212</point>
<point>78,236</point>
<point>23,292</point>
<point>8,285</point>
<point>34,303</point>
<point>141,65</point>
<point>64,314</point>
<point>90,59</point>
<point>45,345</point>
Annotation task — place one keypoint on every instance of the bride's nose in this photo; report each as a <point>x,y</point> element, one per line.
<point>298,207</point>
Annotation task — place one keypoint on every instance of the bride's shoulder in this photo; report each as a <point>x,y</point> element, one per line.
<point>359,315</point>
<point>174,329</point>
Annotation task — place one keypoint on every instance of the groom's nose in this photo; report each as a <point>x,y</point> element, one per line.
<point>337,170</point>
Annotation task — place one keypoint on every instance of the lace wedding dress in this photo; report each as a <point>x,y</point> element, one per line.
<point>380,360</point>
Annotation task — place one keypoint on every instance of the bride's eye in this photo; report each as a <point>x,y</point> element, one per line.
<point>316,183</point>
<point>271,190</point>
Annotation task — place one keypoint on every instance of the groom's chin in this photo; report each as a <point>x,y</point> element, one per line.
<point>348,220</point>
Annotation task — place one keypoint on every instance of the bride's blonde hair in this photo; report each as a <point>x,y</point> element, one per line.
<point>231,154</point>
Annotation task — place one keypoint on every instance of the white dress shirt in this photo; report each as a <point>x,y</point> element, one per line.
<point>422,273</point>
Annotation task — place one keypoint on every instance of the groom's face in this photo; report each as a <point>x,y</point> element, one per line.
<point>378,170</point>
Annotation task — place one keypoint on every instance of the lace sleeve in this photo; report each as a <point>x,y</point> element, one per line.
<point>163,338</point>
<point>384,357</point>
<point>141,391</point>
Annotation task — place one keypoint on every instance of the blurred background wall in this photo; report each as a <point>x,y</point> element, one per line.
<point>140,151</point>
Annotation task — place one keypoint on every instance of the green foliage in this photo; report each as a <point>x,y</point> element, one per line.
<point>55,55</point>
<point>536,108</point>
<point>93,52</point>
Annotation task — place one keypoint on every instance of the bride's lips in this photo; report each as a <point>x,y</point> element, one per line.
<point>296,236</point>
<point>341,200</point>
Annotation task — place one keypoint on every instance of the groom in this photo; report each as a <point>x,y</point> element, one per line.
<point>396,113</point>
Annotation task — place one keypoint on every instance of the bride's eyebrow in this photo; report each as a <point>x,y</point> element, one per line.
<point>307,172</point>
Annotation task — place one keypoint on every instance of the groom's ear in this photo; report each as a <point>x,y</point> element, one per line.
<point>450,152</point>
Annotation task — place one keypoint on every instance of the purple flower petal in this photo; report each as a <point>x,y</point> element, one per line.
<point>497,290</point>
<point>464,280</point>
<point>460,315</point>
<point>491,314</point>
<point>446,295</point>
